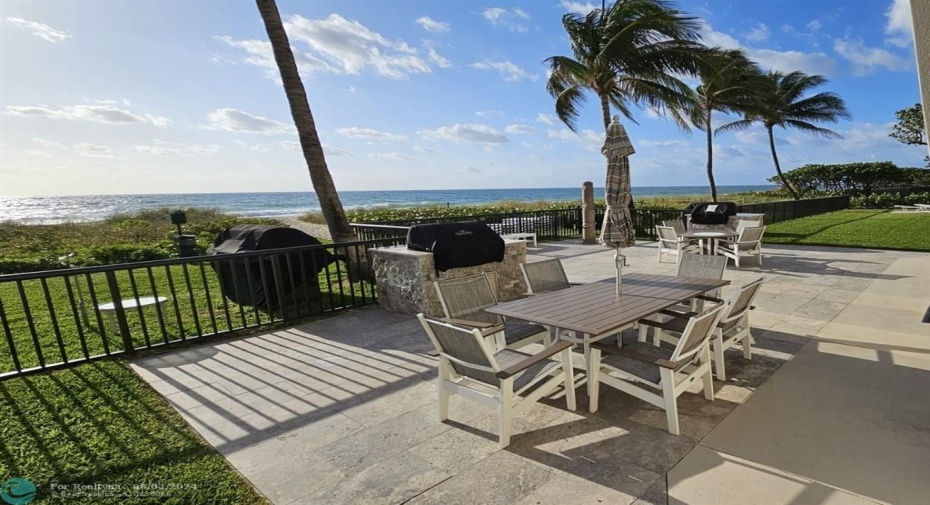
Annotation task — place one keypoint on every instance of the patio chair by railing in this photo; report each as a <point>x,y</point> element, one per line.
<point>671,244</point>
<point>732,330</point>
<point>655,374</point>
<point>748,243</point>
<point>463,300</point>
<point>469,367</point>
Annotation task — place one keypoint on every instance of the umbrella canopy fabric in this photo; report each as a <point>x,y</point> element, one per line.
<point>617,230</point>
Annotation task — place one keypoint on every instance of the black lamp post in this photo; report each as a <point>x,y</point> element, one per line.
<point>187,244</point>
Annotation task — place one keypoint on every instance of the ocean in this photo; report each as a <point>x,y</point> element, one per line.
<point>59,209</point>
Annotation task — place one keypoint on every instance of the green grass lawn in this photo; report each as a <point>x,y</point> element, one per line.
<point>878,229</point>
<point>99,423</point>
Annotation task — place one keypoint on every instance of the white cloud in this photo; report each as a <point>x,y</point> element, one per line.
<point>759,33</point>
<point>41,30</point>
<point>508,70</point>
<point>434,56</point>
<point>240,121</point>
<point>94,150</point>
<point>814,25</point>
<point>498,16</point>
<point>789,61</point>
<point>545,118</point>
<point>98,113</point>
<point>166,148</point>
<point>664,143</point>
<point>335,151</point>
<point>431,25</point>
<point>260,54</point>
<point>867,60</point>
<point>389,156</point>
<point>288,145</point>
<point>783,61</point>
<point>520,128</point>
<point>900,27</point>
<point>368,133</point>
<point>589,137</point>
<point>423,149</point>
<point>472,133</point>
<point>49,143</point>
<point>483,113</point>
<point>581,8</point>
<point>349,47</point>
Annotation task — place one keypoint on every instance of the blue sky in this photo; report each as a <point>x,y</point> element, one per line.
<point>169,96</point>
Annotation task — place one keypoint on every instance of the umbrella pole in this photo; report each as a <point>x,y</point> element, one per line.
<point>619,261</point>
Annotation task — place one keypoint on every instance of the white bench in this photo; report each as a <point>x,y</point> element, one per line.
<point>108,310</point>
<point>526,237</point>
<point>908,208</point>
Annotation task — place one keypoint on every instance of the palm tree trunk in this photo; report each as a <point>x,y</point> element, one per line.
<point>710,158</point>
<point>784,181</point>
<point>323,185</point>
<point>605,111</point>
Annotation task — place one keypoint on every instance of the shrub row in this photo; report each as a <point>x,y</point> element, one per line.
<point>887,200</point>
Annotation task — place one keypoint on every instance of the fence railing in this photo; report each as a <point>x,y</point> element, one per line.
<point>776,212</point>
<point>558,224</point>
<point>55,318</point>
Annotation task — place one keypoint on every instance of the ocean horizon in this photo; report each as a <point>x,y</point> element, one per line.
<point>60,209</point>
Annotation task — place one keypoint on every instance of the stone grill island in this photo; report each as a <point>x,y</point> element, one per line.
<point>405,277</point>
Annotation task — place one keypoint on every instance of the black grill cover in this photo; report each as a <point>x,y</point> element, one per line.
<point>711,213</point>
<point>242,280</point>
<point>456,245</point>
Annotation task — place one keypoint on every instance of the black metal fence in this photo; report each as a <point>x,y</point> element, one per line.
<point>55,318</point>
<point>558,224</point>
<point>776,212</point>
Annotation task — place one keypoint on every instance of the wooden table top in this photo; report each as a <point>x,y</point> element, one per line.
<point>595,309</point>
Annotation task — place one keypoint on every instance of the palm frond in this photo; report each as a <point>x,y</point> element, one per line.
<point>809,128</point>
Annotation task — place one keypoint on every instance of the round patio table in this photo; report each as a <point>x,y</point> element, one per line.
<point>714,238</point>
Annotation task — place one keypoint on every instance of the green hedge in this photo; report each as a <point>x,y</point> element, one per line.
<point>887,200</point>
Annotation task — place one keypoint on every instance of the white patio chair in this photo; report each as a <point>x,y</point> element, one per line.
<point>671,243</point>
<point>677,224</point>
<point>748,243</point>
<point>463,300</point>
<point>654,374</point>
<point>732,329</point>
<point>469,367</point>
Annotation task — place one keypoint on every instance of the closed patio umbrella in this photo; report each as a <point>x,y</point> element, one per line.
<point>617,229</point>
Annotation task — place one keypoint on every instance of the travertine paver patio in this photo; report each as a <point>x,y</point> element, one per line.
<point>344,410</point>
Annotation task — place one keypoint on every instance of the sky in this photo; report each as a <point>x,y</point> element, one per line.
<point>170,96</point>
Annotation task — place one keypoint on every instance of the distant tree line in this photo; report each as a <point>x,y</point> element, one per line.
<point>855,179</point>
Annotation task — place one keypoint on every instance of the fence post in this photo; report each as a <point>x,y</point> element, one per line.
<point>120,314</point>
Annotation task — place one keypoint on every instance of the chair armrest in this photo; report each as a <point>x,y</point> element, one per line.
<point>626,353</point>
<point>468,322</point>
<point>709,298</point>
<point>657,324</point>
<point>675,313</point>
<point>532,360</point>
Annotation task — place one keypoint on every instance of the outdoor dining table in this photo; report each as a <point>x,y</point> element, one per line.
<point>593,311</point>
<point>711,235</point>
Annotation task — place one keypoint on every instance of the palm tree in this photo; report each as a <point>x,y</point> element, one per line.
<point>310,145</point>
<point>726,78</point>
<point>779,101</point>
<point>627,54</point>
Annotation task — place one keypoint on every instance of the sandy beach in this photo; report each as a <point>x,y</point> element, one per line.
<point>319,231</point>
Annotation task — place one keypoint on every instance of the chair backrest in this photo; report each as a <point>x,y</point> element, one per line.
<point>676,225</point>
<point>748,223</point>
<point>465,349</point>
<point>741,301</point>
<point>702,266</point>
<point>465,297</point>
<point>666,234</point>
<point>752,234</point>
<point>696,333</point>
<point>543,276</point>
